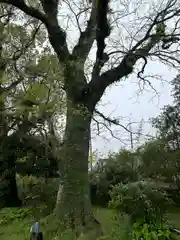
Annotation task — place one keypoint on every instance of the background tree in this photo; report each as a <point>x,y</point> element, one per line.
<point>25,100</point>
<point>167,125</point>
<point>73,204</point>
<point>116,168</point>
<point>10,55</point>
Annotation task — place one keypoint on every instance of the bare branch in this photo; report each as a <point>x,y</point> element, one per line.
<point>117,123</point>
<point>111,121</point>
<point>140,50</point>
<point>143,67</point>
<point>99,84</point>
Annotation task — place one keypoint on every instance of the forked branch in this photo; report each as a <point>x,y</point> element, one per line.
<point>111,121</point>
<point>140,50</point>
<point>87,37</point>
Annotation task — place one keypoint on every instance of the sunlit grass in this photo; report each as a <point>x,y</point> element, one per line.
<point>15,224</point>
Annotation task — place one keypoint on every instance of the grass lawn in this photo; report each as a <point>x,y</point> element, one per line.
<point>174,218</point>
<point>15,224</point>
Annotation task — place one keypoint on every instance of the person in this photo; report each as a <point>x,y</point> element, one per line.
<point>35,233</point>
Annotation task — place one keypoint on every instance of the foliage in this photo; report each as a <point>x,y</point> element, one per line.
<point>35,191</point>
<point>121,167</point>
<point>8,215</point>
<point>116,168</point>
<point>165,161</point>
<point>18,228</point>
<point>140,200</point>
<point>175,83</point>
<point>167,123</point>
<point>29,154</point>
<point>151,231</point>
<point>24,134</point>
<point>154,158</point>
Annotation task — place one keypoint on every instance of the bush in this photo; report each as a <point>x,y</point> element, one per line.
<point>115,169</point>
<point>33,190</point>
<point>140,200</point>
<point>151,231</point>
<point>99,189</point>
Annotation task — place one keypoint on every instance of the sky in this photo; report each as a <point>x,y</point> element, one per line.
<point>124,100</point>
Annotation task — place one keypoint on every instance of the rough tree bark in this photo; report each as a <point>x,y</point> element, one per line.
<point>73,205</point>
<point>73,202</point>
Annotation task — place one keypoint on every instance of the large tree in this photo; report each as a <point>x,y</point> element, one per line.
<point>149,39</point>
<point>13,43</point>
<point>167,122</point>
<point>28,98</point>
<point>168,128</point>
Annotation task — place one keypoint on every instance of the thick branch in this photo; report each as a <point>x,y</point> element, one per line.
<point>99,84</point>
<point>57,36</point>
<point>140,50</point>
<point>98,65</point>
<point>50,7</point>
<point>102,32</point>
<point>86,38</point>
<point>27,9</point>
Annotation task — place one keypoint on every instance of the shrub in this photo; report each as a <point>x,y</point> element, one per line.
<point>33,190</point>
<point>140,200</point>
<point>99,189</point>
<point>113,170</point>
<point>151,231</point>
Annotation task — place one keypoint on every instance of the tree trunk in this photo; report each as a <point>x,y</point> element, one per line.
<point>8,187</point>
<point>8,190</point>
<point>73,205</point>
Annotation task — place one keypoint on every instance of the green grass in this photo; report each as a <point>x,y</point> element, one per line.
<point>174,217</point>
<point>14,229</point>
<point>15,223</point>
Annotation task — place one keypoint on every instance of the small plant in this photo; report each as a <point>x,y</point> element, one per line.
<point>146,206</point>
<point>151,231</point>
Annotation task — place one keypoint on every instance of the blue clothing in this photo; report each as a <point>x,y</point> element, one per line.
<point>35,228</point>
